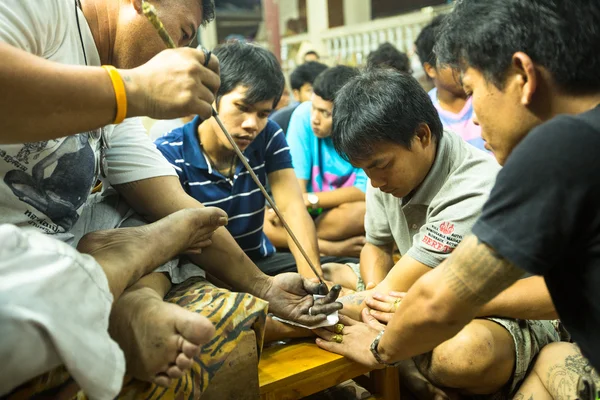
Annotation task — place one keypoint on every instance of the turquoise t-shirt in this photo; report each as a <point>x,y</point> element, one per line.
<point>316,160</point>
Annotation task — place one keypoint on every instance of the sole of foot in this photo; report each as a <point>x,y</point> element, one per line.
<point>159,339</point>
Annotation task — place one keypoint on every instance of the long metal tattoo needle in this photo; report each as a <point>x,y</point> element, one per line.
<point>150,13</point>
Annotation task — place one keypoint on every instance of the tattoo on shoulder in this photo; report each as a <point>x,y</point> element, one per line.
<point>476,273</point>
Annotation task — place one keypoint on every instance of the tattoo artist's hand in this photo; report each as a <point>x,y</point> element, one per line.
<point>290,297</point>
<point>356,340</point>
<point>384,306</point>
<point>173,84</point>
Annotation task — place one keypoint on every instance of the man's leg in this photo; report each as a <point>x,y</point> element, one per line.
<point>556,373</point>
<point>479,360</point>
<point>342,222</point>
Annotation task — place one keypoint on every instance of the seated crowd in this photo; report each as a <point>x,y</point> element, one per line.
<point>457,230</point>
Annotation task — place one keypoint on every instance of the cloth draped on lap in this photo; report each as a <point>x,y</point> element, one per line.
<point>231,313</point>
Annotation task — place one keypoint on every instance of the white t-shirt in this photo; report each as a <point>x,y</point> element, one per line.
<point>45,184</point>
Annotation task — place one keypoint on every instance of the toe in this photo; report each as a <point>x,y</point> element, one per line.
<point>174,372</point>
<point>195,329</point>
<point>188,349</point>
<point>184,362</point>
<point>162,380</point>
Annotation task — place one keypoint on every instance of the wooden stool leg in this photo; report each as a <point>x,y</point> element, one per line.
<point>385,384</point>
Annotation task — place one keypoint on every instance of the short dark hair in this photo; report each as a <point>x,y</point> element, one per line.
<point>426,41</point>
<point>387,55</point>
<point>330,81</point>
<point>251,66</point>
<point>311,52</point>
<point>208,11</point>
<point>306,73</point>
<point>560,35</point>
<point>381,105</point>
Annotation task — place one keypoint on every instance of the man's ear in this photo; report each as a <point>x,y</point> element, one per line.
<point>430,70</point>
<point>296,94</point>
<point>423,135</point>
<point>524,76</point>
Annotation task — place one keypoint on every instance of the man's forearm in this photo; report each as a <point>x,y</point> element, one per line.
<point>303,227</point>
<point>376,262</point>
<point>43,100</point>
<point>155,198</point>
<point>444,300</point>
<point>525,299</point>
<point>337,197</point>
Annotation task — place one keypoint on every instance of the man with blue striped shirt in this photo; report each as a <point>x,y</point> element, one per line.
<point>209,170</point>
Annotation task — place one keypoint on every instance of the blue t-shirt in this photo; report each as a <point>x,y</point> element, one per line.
<point>240,198</point>
<point>316,160</point>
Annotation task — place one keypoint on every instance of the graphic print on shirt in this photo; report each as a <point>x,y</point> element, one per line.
<point>54,177</point>
<point>442,237</point>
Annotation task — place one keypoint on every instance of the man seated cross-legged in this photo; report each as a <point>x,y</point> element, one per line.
<point>427,188</point>
<point>333,189</point>
<point>210,171</point>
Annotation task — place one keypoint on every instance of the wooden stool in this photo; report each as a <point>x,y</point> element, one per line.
<point>299,369</point>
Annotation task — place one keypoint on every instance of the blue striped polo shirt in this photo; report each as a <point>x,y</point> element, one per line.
<point>240,198</point>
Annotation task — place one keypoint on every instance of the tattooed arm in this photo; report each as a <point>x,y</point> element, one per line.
<point>444,300</point>
<point>354,303</point>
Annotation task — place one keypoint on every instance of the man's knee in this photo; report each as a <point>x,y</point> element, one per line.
<point>342,222</point>
<point>479,356</point>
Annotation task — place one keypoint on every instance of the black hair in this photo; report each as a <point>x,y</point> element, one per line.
<point>208,11</point>
<point>426,41</point>
<point>311,52</point>
<point>381,105</point>
<point>251,66</point>
<point>561,36</point>
<point>306,73</point>
<point>387,55</point>
<point>330,81</point>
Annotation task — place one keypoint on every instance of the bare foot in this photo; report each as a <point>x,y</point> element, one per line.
<point>159,339</point>
<point>126,254</point>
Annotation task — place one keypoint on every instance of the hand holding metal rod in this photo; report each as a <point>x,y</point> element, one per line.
<point>150,13</point>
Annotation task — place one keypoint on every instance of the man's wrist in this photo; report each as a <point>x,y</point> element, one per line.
<point>135,100</point>
<point>379,352</point>
<point>261,287</point>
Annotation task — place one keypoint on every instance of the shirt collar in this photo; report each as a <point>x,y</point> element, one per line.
<point>437,175</point>
<point>192,150</point>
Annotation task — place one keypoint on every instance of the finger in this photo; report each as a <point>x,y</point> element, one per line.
<point>333,347</point>
<point>312,287</point>
<point>321,311</point>
<point>347,321</point>
<point>399,295</point>
<point>380,305</point>
<point>370,320</point>
<point>324,334</point>
<point>370,285</point>
<point>385,298</point>
<point>202,108</point>
<point>331,297</point>
<point>202,92</point>
<point>203,243</point>
<point>381,316</point>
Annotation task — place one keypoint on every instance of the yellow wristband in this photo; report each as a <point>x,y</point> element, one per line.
<point>120,93</point>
